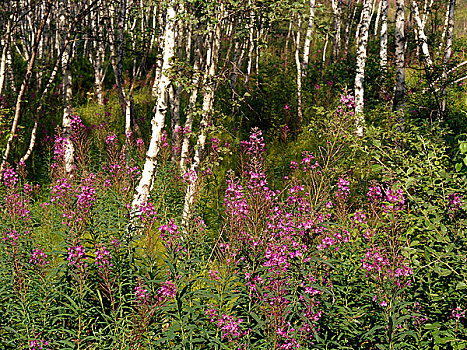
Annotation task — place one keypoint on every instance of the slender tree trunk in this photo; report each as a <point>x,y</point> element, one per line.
<point>5,43</point>
<point>362,41</point>
<point>336,42</point>
<point>426,12</point>
<point>9,70</point>
<point>307,44</point>
<point>422,39</point>
<point>206,120</point>
<point>399,97</point>
<point>383,48</point>
<point>22,90</point>
<point>299,75</point>
<point>348,28</point>
<point>251,44</point>
<point>160,47</point>
<point>378,16</point>
<point>187,129</point>
<point>67,83</point>
<point>40,106</point>
<point>142,191</point>
<point>446,23</point>
<point>447,56</point>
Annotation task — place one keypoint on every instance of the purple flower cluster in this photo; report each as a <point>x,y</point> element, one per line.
<point>458,313</point>
<point>38,258</point>
<point>255,146</point>
<point>77,256</point>
<point>111,139</point>
<point>168,290</point>
<point>343,189</point>
<point>103,257</point>
<point>377,264</point>
<point>170,235</point>
<point>454,203</point>
<point>228,325</point>
<point>38,345</point>
<point>394,200</point>
<point>141,295</point>
<point>86,196</point>
<point>11,236</point>
<point>10,178</point>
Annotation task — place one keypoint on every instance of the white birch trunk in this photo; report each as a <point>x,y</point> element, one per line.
<point>5,43</point>
<point>142,191</point>
<point>191,108</point>
<point>337,10</point>
<point>158,68</point>
<point>383,48</point>
<point>252,44</point>
<point>299,75</point>
<point>362,41</point>
<point>212,58</point>
<point>446,23</point>
<point>22,90</point>
<point>422,39</point>
<point>67,95</point>
<point>378,16</point>
<point>447,56</point>
<point>426,12</point>
<point>399,96</point>
<point>307,44</point>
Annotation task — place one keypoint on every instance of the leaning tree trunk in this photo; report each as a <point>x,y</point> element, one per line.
<point>362,41</point>
<point>212,59</point>
<point>307,44</point>
<point>422,39</point>
<point>399,96</point>
<point>23,88</point>
<point>447,56</point>
<point>142,191</point>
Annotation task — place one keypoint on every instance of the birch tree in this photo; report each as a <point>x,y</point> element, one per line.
<point>24,85</point>
<point>299,74</point>
<point>383,47</point>
<point>337,11</point>
<point>422,39</point>
<point>307,43</point>
<point>362,41</point>
<point>447,56</point>
<point>399,36</point>
<point>212,60</point>
<point>157,123</point>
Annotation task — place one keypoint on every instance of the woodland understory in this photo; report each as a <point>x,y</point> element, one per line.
<point>242,174</point>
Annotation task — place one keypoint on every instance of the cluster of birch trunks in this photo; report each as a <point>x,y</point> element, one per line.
<point>212,39</point>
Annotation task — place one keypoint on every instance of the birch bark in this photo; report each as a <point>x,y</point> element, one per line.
<point>399,96</point>
<point>191,108</point>
<point>5,44</point>
<point>307,44</point>
<point>337,10</point>
<point>206,120</point>
<point>22,90</point>
<point>383,47</point>
<point>362,41</point>
<point>142,191</point>
<point>447,56</point>
<point>299,75</point>
<point>422,39</point>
